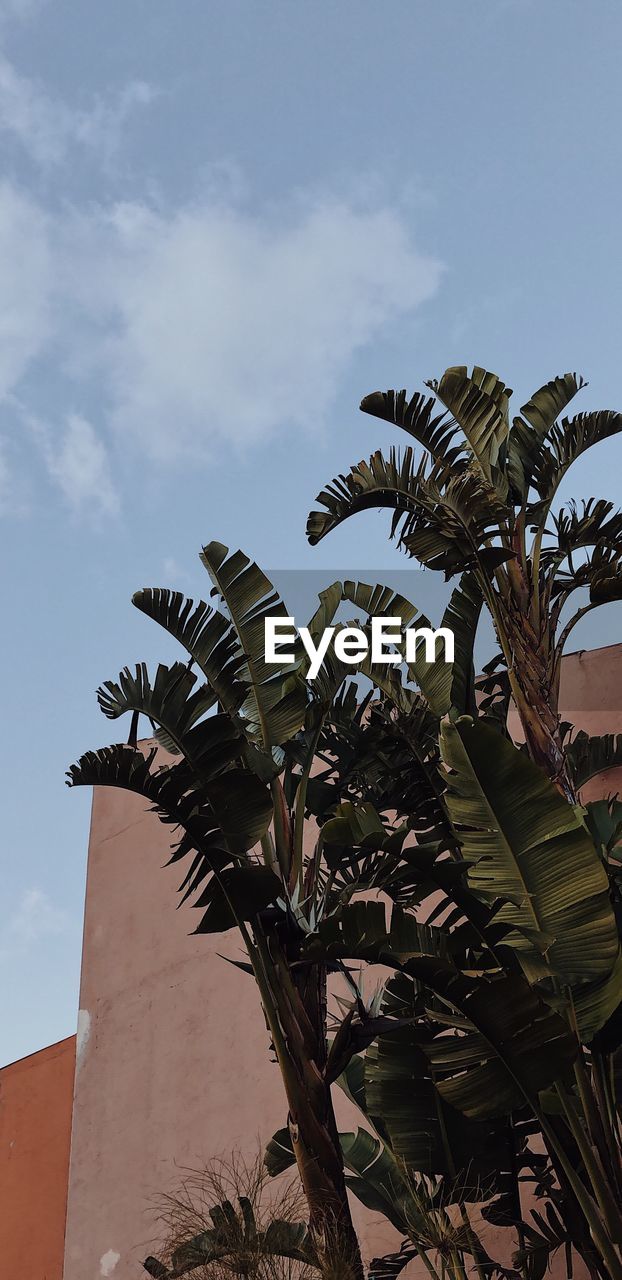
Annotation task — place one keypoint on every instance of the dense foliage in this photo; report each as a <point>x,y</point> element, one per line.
<point>407,830</point>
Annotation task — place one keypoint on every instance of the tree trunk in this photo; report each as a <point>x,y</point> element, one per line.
<point>532,680</point>
<point>541,728</point>
<point>302,1053</point>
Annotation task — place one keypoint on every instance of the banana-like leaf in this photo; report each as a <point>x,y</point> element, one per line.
<point>395,483</point>
<point>603,818</point>
<point>529,849</point>
<point>388,681</point>
<point>462,616</point>
<point>479,403</point>
<point>234,807</point>
<point>565,442</point>
<point>392,1264</point>
<point>595,522</point>
<point>453,522</point>
<point>438,433</point>
<point>206,635</point>
<point>606,585</point>
<point>355,837</point>
<point>242,807</point>
<point>588,756</point>
<point>546,404</point>
<point>376,1178</point>
<point>359,932</point>
<point>494,693</point>
<point>329,600</point>
<point>174,799</point>
<point>600,572</point>
<point>277,700</point>
<point>352,1081</point>
<point>509,1044</point>
<point>596,1003</point>
<point>178,709</point>
<point>333,672</point>
<point>444,516</point>
<point>529,430</point>
<point>433,678</point>
<point>430,1136</point>
<point>400,762</point>
<point>506,1046</point>
<point>279,1153</point>
<point>355,824</point>
<point>239,893</point>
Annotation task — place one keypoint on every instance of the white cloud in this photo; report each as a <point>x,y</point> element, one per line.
<point>45,125</point>
<point>214,323</point>
<point>78,462</point>
<point>228,326</point>
<point>26,272</point>
<point>194,329</point>
<point>47,128</point>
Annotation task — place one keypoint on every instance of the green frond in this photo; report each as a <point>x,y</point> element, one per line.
<point>533,425</point>
<point>530,852</point>
<point>275,706</point>
<point>207,636</point>
<point>479,402</point>
<point>565,442</point>
<point>437,432</point>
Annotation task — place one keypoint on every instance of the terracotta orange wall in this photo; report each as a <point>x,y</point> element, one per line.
<point>35,1133</point>
<point>172,1058</point>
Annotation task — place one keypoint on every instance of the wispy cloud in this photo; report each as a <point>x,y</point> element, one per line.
<point>26,272</point>
<point>34,919</point>
<point>208,325</point>
<point>77,461</point>
<point>226,326</point>
<point>199,328</point>
<point>48,128</point>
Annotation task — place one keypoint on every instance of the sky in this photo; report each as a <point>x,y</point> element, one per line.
<point>222,222</point>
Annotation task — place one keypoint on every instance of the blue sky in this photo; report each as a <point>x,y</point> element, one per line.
<point>222,223</point>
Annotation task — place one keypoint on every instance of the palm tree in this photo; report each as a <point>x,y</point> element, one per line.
<point>502,1013</point>
<point>501,1019</point>
<point>526,908</point>
<point>481,502</point>
<point>235,784</point>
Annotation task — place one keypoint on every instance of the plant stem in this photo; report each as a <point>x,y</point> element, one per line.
<point>299,812</point>
<point>592,1165</point>
<point>589,1208</point>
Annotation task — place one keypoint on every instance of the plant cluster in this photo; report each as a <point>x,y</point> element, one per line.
<point>406,829</point>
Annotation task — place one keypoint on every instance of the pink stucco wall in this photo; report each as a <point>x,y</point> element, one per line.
<point>172,1056</point>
